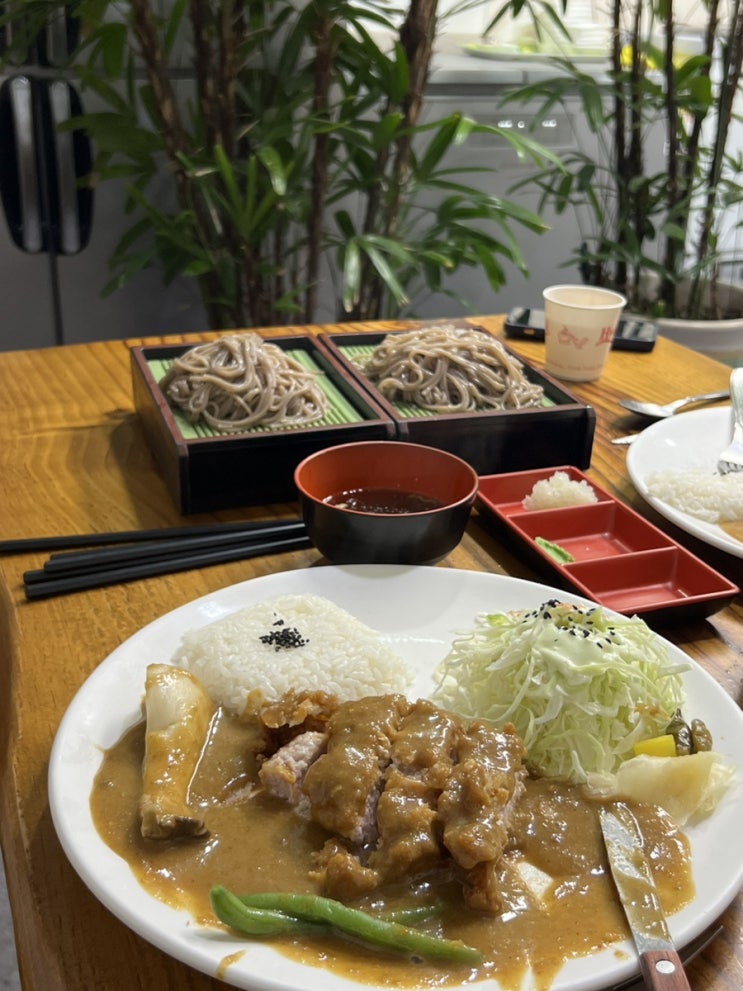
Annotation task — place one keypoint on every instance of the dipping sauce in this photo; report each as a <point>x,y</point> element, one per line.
<point>383,501</point>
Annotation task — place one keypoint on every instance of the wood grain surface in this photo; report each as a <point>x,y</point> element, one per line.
<point>73,459</point>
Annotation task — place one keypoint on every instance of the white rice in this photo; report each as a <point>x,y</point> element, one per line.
<point>559,490</point>
<point>326,649</point>
<point>708,497</point>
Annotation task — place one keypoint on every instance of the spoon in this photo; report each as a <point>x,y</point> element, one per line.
<point>656,412</point>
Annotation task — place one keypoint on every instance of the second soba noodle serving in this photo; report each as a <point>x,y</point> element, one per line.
<point>448,369</point>
<point>241,381</point>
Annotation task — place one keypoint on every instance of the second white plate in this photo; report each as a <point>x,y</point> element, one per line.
<point>679,443</point>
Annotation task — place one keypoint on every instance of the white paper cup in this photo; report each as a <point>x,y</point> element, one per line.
<point>579,327</point>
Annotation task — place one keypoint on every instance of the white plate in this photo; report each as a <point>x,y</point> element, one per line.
<point>678,443</point>
<point>419,610</point>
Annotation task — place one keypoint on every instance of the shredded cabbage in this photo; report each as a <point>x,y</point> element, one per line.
<point>579,686</point>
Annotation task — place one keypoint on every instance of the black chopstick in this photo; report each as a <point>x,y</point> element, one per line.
<point>77,561</point>
<point>25,545</point>
<point>38,585</point>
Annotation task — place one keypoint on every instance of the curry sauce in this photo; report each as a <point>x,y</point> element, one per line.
<point>733,528</point>
<point>559,900</point>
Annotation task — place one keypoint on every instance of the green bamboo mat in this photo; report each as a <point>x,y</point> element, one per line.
<point>340,410</point>
<point>358,354</point>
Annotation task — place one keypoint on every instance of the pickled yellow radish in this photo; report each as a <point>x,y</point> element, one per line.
<point>657,746</point>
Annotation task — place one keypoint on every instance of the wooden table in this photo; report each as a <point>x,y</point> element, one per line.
<point>73,459</point>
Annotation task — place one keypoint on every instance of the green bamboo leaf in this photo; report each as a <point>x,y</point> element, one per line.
<point>109,94</point>
<point>674,232</point>
<point>173,24</point>
<point>345,224</point>
<point>362,165</point>
<point>593,106</point>
<point>385,272</point>
<point>694,65</point>
<point>528,148</point>
<point>274,165</point>
<point>388,245</point>
<point>351,276</point>
<point>564,191</point>
<point>558,22</point>
<point>196,268</point>
<point>262,222</point>
<point>251,183</point>
<point>494,272</point>
<point>399,76</point>
<point>384,130</point>
<point>114,133</point>
<point>584,178</point>
<point>465,127</point>
<point>92,12</point>
<point>226,171</point>
<point>700,90</point>
<point>438,259</point>
<point>442,141</point>
<point>113,39</point>
<point>432,275</point>
<point>132,235</point>
<point>151,106</point>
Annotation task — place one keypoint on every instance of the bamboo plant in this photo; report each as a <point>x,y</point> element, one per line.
<point>298,166</point>
<point>666,178</point>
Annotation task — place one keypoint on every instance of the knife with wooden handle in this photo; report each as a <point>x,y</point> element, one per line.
<point>660,964</point>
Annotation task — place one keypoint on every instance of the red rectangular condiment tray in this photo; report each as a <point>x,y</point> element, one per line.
<point>619,559</point>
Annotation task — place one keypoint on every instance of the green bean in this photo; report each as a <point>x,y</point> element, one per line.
<point>361,925</point>
<point>415,913</point>
<point>254,922</point>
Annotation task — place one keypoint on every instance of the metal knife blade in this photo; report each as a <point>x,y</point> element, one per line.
<point>660,964</point>
<point>626,439</point>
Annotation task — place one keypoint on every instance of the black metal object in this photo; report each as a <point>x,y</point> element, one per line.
<point>44,160</point>
<point>48,207</point>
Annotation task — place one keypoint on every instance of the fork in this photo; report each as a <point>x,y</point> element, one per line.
<point>731,459</point>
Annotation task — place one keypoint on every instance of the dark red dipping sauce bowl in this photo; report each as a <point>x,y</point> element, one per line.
<point>385,502</point>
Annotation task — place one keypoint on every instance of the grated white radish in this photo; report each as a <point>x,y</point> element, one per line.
<point>559,490</point>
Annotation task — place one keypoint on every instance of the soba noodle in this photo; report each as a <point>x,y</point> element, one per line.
<point>450,369</point>
<point>241,381</point>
